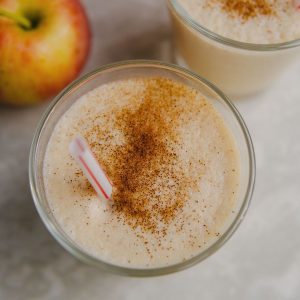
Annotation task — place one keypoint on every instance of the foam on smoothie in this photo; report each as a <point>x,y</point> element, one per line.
<point>251,21</point>
<point>173,163</point>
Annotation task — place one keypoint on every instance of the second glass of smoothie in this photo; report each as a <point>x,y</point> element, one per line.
<point>241,46</point>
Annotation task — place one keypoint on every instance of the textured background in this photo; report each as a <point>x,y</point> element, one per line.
<point>261,261</point>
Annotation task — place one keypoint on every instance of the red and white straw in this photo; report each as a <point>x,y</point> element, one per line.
<point>297,4</point>
<point>85,158</point>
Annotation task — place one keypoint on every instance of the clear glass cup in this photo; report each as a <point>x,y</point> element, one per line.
<point>239,69</point>
<point>125,70</point>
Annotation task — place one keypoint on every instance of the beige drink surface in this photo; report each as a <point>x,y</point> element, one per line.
<point>173,163</point>
<point>250,21</point>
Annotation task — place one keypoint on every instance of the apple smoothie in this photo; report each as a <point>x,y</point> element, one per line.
<point>173,162</point>
<point>241,46</point>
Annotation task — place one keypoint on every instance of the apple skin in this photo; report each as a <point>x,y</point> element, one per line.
<point>36,64</point>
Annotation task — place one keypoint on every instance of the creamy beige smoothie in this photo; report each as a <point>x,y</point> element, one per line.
<point>240,45</point>
<point>173,162</point>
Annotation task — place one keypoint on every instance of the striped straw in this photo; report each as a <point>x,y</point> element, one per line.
<point>297,4</point>
<point>83,155</point>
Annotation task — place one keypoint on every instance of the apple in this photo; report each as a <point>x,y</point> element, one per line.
<point>43,47</point>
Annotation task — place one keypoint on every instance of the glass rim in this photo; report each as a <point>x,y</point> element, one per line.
<point>122,270</point>
<point>189,21</point>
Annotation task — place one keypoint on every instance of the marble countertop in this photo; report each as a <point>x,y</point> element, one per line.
<point>261,260</point>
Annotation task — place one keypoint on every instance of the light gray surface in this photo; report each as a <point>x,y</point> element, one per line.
<point>261,261</point>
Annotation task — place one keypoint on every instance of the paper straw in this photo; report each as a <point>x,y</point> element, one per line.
<point>83,155</point>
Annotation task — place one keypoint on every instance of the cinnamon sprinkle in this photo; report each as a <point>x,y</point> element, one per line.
<point>150,184</point>
<point>247,9</point>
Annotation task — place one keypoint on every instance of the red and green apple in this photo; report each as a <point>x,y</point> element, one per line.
<point>43,47</point>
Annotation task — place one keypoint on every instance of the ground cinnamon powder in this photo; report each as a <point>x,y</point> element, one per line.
<point>150,186</point>
<point>247,9</point>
